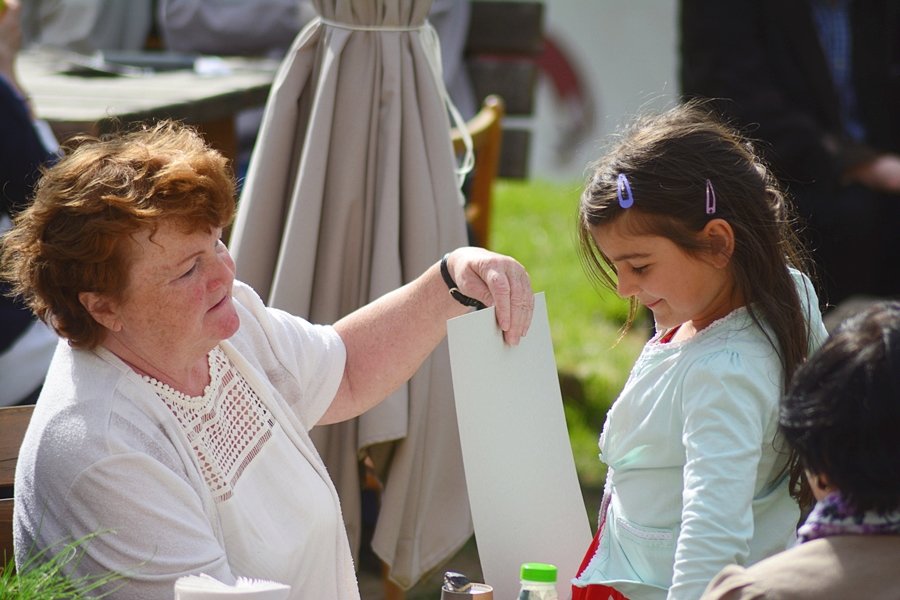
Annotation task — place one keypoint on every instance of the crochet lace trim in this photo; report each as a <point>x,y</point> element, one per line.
<point>227,426</point>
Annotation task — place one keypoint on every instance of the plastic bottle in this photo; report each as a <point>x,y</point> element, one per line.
<point>538,582</point>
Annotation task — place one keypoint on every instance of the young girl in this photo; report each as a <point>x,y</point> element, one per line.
<point>682,218</point>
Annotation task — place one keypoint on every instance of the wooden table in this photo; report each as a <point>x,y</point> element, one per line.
<point>95,104</point>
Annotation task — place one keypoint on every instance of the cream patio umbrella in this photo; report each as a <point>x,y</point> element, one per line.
<point>351,192</point>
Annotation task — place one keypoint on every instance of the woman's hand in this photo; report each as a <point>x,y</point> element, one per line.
<point>388,339</point>
<point>498,281</point>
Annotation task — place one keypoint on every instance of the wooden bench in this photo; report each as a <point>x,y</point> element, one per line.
<point>13,423</point>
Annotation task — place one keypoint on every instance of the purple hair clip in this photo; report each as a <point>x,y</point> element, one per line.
<point>622,185</point>
<point>710,198</point>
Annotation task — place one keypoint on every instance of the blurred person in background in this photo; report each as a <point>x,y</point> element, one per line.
<point>26,344</point>
<point>817,83</point>
<point>268,27</point>
<point>86,26</point>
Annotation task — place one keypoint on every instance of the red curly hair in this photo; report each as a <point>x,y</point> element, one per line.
<point>72,238</point>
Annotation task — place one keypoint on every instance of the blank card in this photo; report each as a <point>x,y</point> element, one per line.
<point>523,489</point>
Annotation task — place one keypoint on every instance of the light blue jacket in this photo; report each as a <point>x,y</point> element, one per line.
<point>696,476</point>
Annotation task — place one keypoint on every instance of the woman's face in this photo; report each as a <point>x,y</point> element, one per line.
<point>178,299</point>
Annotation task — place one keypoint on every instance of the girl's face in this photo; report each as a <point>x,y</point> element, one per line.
<point>677,287</point>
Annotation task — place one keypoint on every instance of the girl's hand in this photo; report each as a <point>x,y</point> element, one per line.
<point>498,281</point>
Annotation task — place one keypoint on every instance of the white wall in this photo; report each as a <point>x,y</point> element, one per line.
<point>626,52</point>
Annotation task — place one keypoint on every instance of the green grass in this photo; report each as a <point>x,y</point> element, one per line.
<point>535,222</point>
<point>46,579</point>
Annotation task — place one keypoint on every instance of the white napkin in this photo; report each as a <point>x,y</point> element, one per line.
<point>205,587</point>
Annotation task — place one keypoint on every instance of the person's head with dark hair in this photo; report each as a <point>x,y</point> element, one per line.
<point>841,412</point>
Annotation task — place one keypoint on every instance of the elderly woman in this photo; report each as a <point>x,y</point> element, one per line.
<point>842,416</point>
<point>176,416</point>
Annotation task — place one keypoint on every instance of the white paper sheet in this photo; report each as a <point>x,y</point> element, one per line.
<point>523,489</point>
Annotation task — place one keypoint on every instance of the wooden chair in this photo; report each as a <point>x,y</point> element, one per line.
<point>13,422</point>
<point>486,133</point>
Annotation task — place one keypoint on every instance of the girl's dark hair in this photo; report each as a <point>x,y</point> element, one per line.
<point>841,412</point>
<point>667,160</point>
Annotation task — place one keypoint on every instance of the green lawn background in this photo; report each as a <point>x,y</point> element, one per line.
<point>535,221</point>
